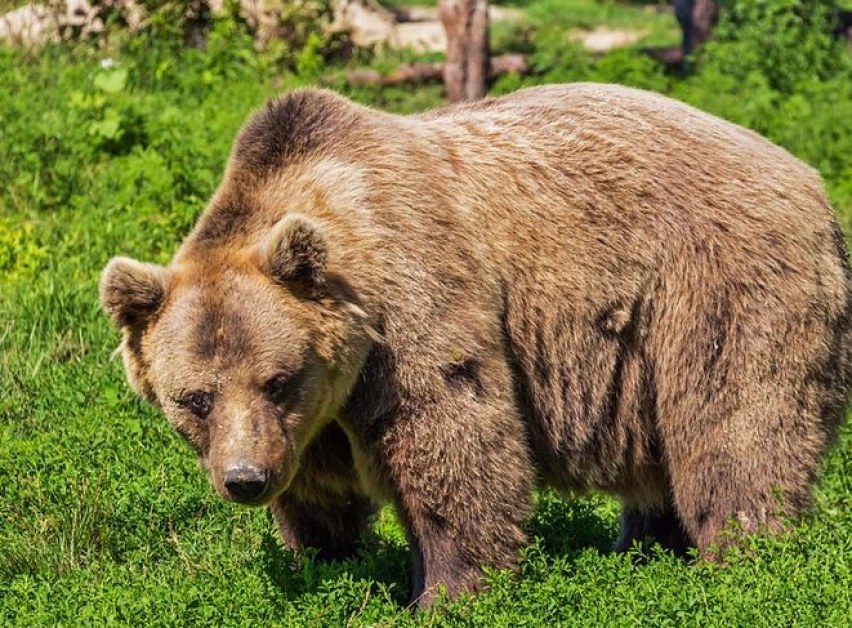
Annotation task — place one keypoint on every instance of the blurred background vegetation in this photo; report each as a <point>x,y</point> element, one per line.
<point>114,133</point>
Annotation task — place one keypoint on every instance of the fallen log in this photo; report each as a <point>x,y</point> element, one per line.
<point>669,56</point>
<point>427,72</point>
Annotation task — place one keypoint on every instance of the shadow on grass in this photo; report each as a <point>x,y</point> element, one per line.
<point>565,528</point>
<point>379,561</point>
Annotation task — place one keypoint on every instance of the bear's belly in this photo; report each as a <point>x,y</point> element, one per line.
<point>585,386</point>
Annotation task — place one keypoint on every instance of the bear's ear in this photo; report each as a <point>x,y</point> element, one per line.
<point>132,291</point>
<point>296,250</point>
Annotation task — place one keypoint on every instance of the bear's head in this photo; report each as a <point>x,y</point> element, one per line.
<point>249,353</point>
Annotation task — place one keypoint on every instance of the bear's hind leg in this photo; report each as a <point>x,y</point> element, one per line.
<point>719,504</point>
<point>655,525</point>
<point>748,397</point>
<point>747,474</point>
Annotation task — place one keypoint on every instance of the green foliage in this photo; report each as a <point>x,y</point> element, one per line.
<point>309,62</point>
<point>788,42</point>
<point>104,515</point>
<point>20,252</point>
<point>774,68</point>
<point>280,33</point>
<point>297,26</point>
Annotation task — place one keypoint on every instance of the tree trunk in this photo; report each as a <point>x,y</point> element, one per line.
<point>466,67</point>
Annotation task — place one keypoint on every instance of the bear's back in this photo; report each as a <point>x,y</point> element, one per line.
<point>618,137</point>
<point>587,172</point>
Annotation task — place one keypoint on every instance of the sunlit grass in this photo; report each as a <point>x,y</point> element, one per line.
<point>104,515</point>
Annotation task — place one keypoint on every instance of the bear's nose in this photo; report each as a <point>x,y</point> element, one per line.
<point>245,483</point>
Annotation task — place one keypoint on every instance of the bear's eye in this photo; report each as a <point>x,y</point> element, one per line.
<point>199,403</point>
<point>281,387</point>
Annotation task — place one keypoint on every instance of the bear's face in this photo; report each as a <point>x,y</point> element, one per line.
<point>248,354</point>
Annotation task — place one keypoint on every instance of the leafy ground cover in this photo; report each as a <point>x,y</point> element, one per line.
<point>104,516</point>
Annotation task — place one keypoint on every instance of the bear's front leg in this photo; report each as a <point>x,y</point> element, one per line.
<point>324,507</point>
<point>334,527</point>
<point>460,470</point>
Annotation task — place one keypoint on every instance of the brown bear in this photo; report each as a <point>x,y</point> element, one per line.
<point>587,287</point>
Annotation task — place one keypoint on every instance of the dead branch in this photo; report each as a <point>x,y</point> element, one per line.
<point>428,72</point>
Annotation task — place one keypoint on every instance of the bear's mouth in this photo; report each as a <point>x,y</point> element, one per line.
<point>251,502</point>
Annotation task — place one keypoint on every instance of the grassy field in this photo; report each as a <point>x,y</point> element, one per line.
<point>104,515</point>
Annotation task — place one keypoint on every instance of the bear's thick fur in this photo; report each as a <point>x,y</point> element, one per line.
<point>582,286</point>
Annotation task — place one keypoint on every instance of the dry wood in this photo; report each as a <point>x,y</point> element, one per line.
<point>466,68</point>
<point>424,72</point>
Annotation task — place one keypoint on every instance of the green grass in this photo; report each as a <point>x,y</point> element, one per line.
<point>104,515</point>
<point>10,5</point>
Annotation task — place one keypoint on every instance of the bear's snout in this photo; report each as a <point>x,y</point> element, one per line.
<point>246,484</point>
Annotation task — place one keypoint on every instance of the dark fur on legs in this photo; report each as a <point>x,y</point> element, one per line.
<point>333,529</point>
<point>649,527</point>
<point>324,508</point>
